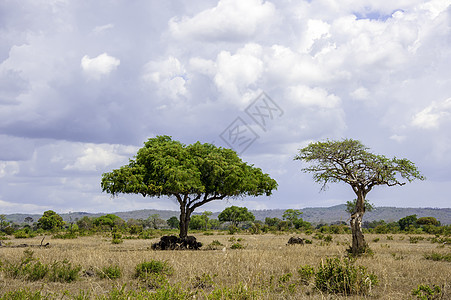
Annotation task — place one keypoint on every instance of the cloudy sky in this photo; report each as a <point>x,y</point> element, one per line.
<point>84,83</point>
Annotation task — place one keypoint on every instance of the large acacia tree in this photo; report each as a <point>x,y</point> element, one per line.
<point>349,161</point>
<point>192,174</point>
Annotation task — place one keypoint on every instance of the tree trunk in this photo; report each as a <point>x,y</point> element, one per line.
<point>358,241</point>
<point>185,217</point>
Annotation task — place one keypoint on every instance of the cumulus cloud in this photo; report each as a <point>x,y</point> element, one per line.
<point>306,96</point>
<point>96,157</point>
<point>99,66</point>
<point>169,76</point>
<point>230,20</point>
<point>235,72</point>
<point>433,115</point>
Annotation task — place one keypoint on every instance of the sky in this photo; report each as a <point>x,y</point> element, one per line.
<point>83,84</point>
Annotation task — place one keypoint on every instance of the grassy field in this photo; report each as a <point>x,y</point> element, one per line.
<point>264,268</point>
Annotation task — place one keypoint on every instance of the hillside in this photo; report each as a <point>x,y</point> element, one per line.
<point>311,214</point>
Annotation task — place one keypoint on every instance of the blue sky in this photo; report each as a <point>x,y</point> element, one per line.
<point>84,83</point>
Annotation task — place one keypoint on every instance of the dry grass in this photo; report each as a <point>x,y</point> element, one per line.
<point>399,265</point>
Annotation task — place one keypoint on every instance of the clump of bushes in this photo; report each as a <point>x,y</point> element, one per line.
<point>31,269</point>
<point>438,257</point>
<point>342,276</point>
<point>339,276</point>
<point>237,246</point>
<point>425,292</point>
<point>110,272</point>
<point>148,268</point>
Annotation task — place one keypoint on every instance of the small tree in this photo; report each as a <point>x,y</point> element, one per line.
<point>235,215</point>
<point>50,220</point>
<point>205,216</point>
<point>406,222</point>
<point>109,220</point>
<point>173,222</point>
<point>291,215</point>
<point>194,175</point>
<point>431,221</point>
<point>349,161</point>
<point>155,221</point>
<point>3,222</point>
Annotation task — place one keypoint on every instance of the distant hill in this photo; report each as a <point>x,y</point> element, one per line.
<point>311,214</point>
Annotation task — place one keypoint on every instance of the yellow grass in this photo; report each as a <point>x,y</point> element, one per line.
<point>399,265</point>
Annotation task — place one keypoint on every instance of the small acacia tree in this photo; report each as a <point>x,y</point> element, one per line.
<point>349,161</point>
<point>50,220</point>
<point>235,215</point>
<point>192,174</point>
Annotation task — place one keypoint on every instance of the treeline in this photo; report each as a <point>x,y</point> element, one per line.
<point>232,219</point>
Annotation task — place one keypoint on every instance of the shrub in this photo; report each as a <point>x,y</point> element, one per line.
<point>237,292</point>
<point>145,269</point>
<point>425,292</point>
<point>29,268</point>
<point>203,281</point>
<point>63,271</point>
<point>110,272</point>
<point>215,245</point>
<point>376,240</point>
<point>20,234</point>
<point>237,246</point>
<point>306,273</point>
<point>328,238</point>
<point>415,239</point>
<point>438,257</point>
<point>24,294</point>
<point>341,276</point>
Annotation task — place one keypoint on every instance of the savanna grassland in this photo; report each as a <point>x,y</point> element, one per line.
<point>240,266</point>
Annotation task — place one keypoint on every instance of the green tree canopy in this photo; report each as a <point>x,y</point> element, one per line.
<point>405,222</point>
<point>235,215</point>
<point>109,220</point>
<point>50,220</point>
<point>291,215</point>
<point>192,174</point>
<point>173,222</point>
<point>428,221</point>
<point>350,161</point>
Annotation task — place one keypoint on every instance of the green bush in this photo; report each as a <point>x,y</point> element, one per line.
<point>237,246</point>
<point>29,268</point>
<point>306,273</point>
<point>203,281</point>
<point>341,276</point>
<point>425,292</point>
<point>20,234</point>
<point>237,292</point>
<point>22,294</point>
<point>63,271</point>
<point>145,269</point>
<point>110,272</point>
<point>438,257</point>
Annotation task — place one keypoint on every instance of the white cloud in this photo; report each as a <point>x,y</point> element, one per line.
<point>96,157</point>
<point>168,75</point>
<point>8,168</point>
<point>317,97</point>
<point>99,66</point>
<point>229,20</point>
<point>236,72</point>
<point>360,93</point>
<point>102,28</point>
<point>10,208</point>
<point>433,115</point>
